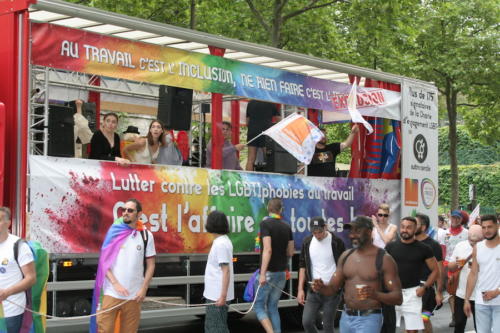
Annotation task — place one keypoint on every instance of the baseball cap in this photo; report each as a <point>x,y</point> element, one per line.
<point>456,213</point>
<point>316,223</point>
<point>360,222</point>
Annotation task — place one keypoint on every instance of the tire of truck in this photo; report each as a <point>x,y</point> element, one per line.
<point>81,307</point>
<point>291,317</point>
<point>63,308</point>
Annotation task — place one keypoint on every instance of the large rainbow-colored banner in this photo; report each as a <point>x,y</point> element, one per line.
<point>74,201</point>
<point>87,52</point>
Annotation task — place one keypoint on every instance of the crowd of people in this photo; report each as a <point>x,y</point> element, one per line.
<point>389,273</point>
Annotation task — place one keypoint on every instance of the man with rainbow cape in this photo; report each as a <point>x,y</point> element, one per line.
<point>121,283</point>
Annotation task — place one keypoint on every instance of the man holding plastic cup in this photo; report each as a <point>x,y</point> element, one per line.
<point>366,288</point>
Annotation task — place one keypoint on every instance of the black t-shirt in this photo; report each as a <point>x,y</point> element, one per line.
<point>260,116</point>
<point>280,233</point>
<point>438,253</point>
<point>323,161</point>
<point>410,259</point>
<point>100,149</point>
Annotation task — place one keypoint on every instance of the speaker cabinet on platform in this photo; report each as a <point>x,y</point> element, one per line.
<point>278,159</point>
<point>174,107</point>
<point>61,131</point>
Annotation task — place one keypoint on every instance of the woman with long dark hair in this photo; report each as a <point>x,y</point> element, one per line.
<point>146,149</point>
<point>105,143</point>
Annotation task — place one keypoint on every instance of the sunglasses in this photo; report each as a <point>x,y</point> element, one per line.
<point>128,210</point>
<point>383,215</point>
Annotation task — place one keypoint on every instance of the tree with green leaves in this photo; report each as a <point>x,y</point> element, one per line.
<point>457,47</point>
<point>274,15</point>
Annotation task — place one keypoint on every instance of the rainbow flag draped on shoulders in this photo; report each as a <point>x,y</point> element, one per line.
<point>115,237</point>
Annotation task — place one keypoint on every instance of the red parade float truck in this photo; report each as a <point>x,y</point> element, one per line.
<point>54,52</point>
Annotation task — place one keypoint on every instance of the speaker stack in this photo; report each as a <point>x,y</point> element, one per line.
<point>174,107</point>
<point>61,135</point>
<point>278,159</point>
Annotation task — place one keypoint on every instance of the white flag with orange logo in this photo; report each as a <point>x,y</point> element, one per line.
<point>296,135</point>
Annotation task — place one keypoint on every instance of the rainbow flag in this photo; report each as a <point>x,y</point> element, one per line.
<point>3,324</point>
<point>116,235</point>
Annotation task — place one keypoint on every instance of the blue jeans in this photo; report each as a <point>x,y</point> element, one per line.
<point>371,323</point>
<point>14,323</point>
<point>487,318</point>
<point>266,303</point>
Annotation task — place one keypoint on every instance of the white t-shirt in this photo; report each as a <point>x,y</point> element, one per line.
<point>462,251</point>
<point>128,267</point>
<point>377,239</point>
<point>322,261</point>
<point>488,279</point>
<point>440,235</point>
<point>220,253</point>
<point>450,241</point>
<point>10,273</point>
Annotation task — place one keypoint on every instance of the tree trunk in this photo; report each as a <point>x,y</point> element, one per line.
<point>451,106</point>
<point>277,22</point>
<point>192,16</point>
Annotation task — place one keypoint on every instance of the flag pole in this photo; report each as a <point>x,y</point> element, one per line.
<point>254,138</point>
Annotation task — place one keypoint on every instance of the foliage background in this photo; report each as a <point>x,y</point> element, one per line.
<point>485,177</point>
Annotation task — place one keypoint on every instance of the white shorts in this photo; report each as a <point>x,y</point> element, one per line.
<point>411,310</point>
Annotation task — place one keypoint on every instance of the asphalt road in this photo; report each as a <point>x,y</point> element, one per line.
<point>249,324</point>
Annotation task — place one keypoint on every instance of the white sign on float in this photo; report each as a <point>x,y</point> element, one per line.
<point>419,166</point>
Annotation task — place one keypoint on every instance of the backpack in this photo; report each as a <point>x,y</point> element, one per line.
<point>36,296</point>
<point>144,235</point>
<point>249,293</point>
<point>388,311</point>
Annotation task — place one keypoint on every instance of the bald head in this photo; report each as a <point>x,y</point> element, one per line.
<point>475,233</point>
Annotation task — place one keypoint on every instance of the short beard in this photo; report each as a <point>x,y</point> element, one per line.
<point>408,237</point>
<point>127,222</point>
<point>492,237</point>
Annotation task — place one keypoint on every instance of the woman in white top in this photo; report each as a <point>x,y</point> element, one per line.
<point>383,231</point>
<point>145,150</point>
<point>219,277</point>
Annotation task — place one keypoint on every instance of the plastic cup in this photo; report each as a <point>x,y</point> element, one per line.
<point>359,289</point>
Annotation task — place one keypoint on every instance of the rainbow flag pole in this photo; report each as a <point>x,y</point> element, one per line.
<point>3,324</point>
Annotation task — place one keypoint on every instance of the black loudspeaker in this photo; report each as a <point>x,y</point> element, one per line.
<point>278,159</point>
<point>174,107</point>
<point>61,131</point>
<point>88,111</point>
<point>205,108</point>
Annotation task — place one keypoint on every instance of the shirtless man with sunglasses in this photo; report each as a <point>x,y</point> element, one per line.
<point>383,231</point>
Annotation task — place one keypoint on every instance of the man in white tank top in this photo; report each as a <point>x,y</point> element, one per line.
<point>485,276</point>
